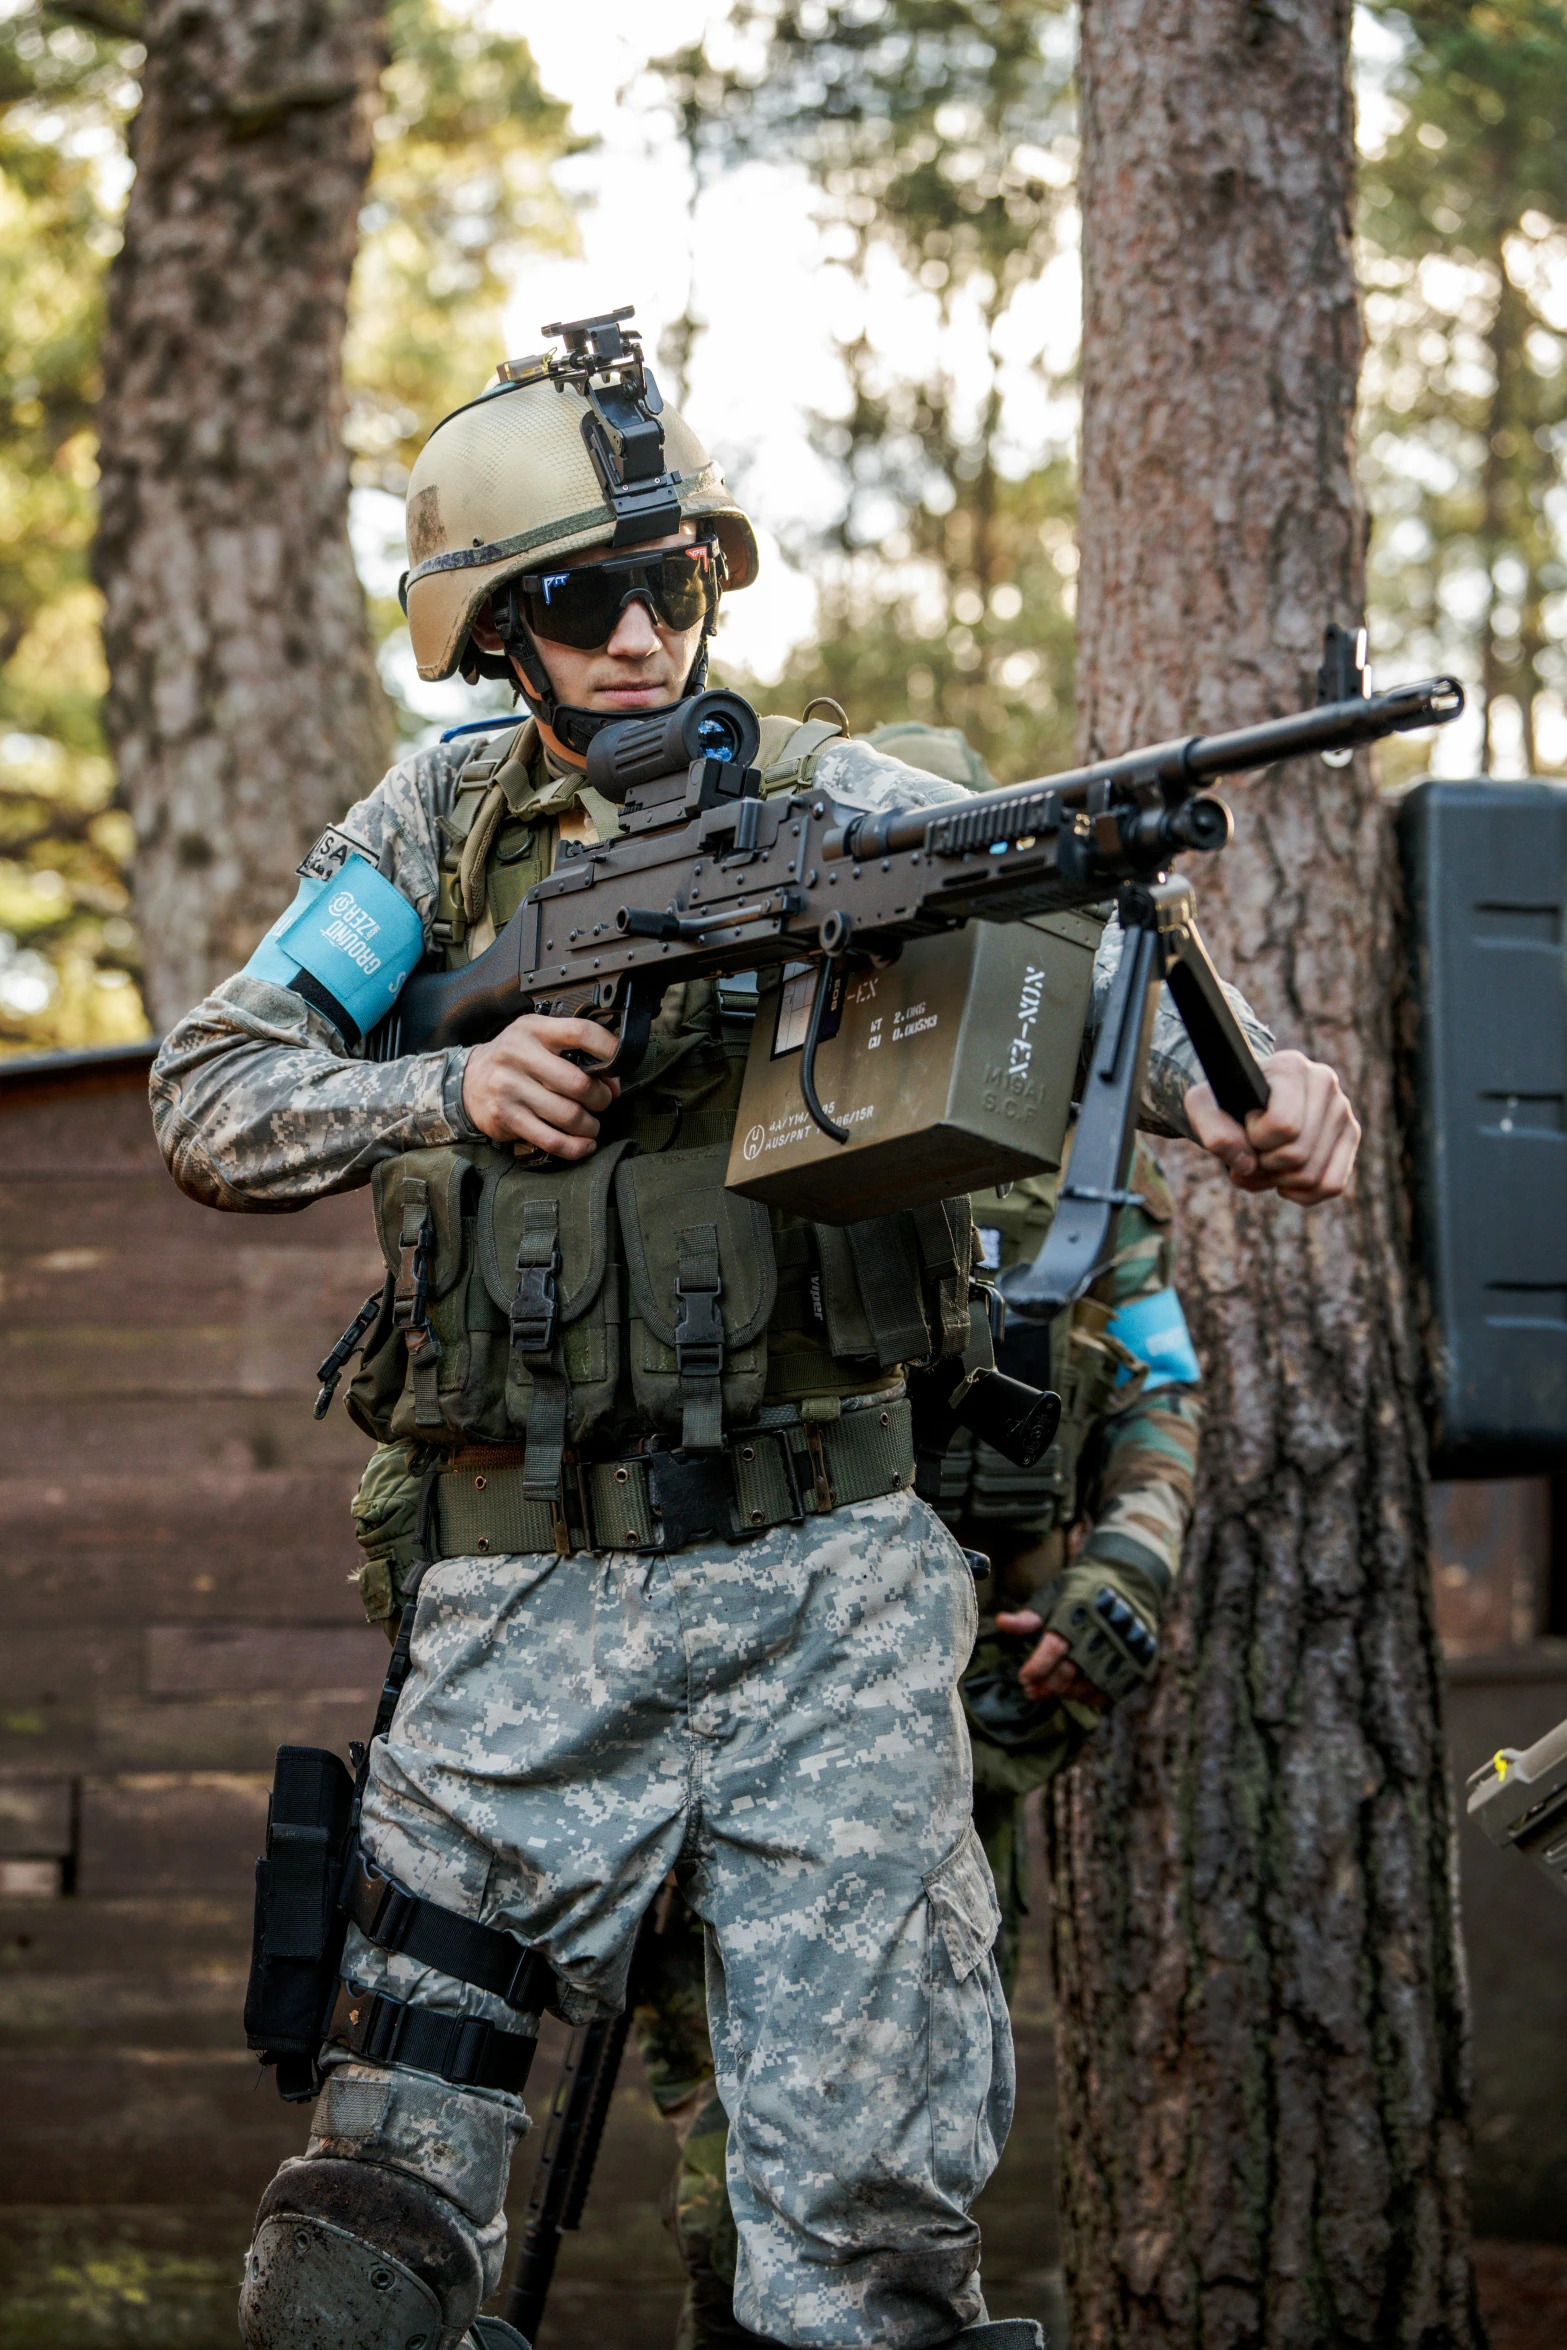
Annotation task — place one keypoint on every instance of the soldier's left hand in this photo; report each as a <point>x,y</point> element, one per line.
<point>1302,1145</point>
<point>1048,1670</point>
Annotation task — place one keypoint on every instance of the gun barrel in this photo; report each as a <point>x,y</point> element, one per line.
<point>1332,726</point>
<point>1177,769</point>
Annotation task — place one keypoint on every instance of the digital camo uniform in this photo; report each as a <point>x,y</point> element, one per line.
<point>590,1700</point>
<point>1118,1480</point>
<point>1108,1506</point>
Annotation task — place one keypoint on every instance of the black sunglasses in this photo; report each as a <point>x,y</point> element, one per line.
<point>582,607</point>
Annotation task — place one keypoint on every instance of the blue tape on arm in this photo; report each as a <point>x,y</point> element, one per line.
<point>1154,1328</point>
<point>355,934</point>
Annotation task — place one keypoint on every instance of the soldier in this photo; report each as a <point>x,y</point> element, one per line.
<point>597,1693</point>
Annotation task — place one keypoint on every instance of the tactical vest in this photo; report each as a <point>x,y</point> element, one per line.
<point>588,1312</point>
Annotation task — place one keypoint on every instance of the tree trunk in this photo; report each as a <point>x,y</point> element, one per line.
<point>1263,2025</point>
<point>244,707</point>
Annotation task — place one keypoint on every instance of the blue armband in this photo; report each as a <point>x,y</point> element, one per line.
<point>347,942</point>
<point>1154,1329</point>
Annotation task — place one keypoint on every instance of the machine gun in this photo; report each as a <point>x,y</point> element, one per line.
<point>1520,1799</point>
<point>708,878</point>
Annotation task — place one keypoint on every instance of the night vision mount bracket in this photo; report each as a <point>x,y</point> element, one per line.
<point>621,428</point>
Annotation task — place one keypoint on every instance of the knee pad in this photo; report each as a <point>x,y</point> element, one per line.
<point>1003,2333</point>
<point>348,2256</point>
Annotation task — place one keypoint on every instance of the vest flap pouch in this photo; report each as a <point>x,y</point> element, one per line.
<point>546,1241</point>
<point>673,1192</point>
<point>427,1187</point>
<point>579,1199</point>
<point>704,1282</point>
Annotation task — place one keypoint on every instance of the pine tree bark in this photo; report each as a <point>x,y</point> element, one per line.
<point>244,708</point>
<point>1263,2029</point>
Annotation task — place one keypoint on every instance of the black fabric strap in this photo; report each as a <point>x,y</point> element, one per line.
<point>535,1315</point>
<point>462,2049</point>
<point>322,1000</point>
<point>699,1338</point>
<point>883,1254</point>
<point>485,1956</point>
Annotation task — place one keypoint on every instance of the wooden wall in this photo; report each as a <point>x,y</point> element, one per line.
<point>176,1602</point>
<point>176,1593</point>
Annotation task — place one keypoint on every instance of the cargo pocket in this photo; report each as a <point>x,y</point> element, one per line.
<point>546,1241</point>
<point>704,1281</point>
<point>971,2079</point>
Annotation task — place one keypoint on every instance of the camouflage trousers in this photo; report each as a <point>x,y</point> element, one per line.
<point>669,2025</point>
<point>781,1721</point>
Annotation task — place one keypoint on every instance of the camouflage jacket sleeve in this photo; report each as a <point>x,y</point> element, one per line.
<point>857,770</point>
<point>1142,1473</point>
<point>258,1103</point>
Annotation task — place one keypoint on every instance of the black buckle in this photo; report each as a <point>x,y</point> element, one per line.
<point>367,2022</point>
<point>533,1307</point>
<point>411,1298</point>
<point>699,1333</point>
<point>693,1494</point>
<point>329,1372</point>
<point>378,1905</point>
<point>532,1986</point>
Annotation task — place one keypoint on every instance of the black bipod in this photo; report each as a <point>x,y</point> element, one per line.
<point>1161,944</point>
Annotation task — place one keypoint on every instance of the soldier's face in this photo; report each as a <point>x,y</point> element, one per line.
<point>643,664</point>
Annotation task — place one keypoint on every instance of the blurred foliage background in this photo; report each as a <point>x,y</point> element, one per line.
<point>938,139</point>
<point>460,192</point>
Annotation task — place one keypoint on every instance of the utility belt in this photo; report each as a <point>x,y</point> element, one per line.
<point>666,1500</point>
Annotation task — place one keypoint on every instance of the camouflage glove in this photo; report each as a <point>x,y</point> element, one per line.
<point>1107,1612</point>
<point>386,1523</point>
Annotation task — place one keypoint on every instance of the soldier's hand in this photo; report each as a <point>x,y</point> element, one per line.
<point>1048,1671</point>
<point>1302,1145</point>
<point>517,1088</point>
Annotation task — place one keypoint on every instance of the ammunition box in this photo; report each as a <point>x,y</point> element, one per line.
<point>953,1069</point>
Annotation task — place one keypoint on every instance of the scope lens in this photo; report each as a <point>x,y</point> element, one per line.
<point>718,737</point>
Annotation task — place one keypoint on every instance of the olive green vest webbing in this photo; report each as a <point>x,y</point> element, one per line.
<point>576,1307</point>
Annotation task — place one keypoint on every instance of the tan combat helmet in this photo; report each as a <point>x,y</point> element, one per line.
<point>567,450</point>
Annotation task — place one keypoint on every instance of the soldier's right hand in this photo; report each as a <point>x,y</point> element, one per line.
<point>519,1088</point>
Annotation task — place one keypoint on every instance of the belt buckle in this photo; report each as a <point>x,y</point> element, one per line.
<point>691,1495</point>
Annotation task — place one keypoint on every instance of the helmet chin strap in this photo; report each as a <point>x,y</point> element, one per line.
<point>572,726</point>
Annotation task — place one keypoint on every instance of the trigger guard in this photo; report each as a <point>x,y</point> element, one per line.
<point>636,1025</point>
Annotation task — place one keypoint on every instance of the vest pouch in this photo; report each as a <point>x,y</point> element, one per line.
<point>895,1289</point>
<point>547,1253</point>
<point>704,1281</point>
<point>418,1382</point>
